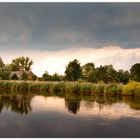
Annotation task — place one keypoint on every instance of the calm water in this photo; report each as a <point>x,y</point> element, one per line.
<point>68,116</point>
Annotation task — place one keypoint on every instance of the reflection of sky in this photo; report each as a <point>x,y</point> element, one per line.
<point>87,109</point>
<point>49,32</point>
<point>50,118</point>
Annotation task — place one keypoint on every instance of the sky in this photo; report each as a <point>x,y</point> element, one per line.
<point>53,34</point>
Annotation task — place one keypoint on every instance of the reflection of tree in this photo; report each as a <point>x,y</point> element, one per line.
<point>89,104</point>
<point>106,100</point>
<point>17,103</point>
<point>133,102</point>
<point>1,107</point>
<point>72,103</point>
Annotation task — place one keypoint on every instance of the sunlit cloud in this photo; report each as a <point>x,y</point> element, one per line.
<point>56,61</point>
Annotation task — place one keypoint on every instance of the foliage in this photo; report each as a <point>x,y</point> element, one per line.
<point>46,76</point>
<point>5,72</point>
<point>1,63</point>
<point>111,88</point>
<point>123,76</point>
<point>21,63</point>
<point>55,77</point>
<point>73,70</point>
<point>135,72</point>
<point>88,71</point>
<point>132,88</point>
<point>24,76</point>
<point>14,77</point>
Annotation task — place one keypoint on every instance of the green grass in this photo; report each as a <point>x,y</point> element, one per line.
<point>113,88</point>
<point>78,88</point>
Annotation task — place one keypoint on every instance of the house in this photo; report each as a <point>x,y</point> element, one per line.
<point>19,75</point>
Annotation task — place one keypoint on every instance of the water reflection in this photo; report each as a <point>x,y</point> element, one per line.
<point>16,103</point>
<point>25,103</point>
<point>77,116</point>
<point>72,105</point>
<point>133,102</point>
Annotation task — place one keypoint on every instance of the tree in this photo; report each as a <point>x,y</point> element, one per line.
<point>46,76</point>
<point>89,72</point>
<point>21,63</point>
<point>73,70</point>
<point>100,74</point>
<point>55,77</point>
<point>1,63</point>
<point>123,76</point>
<point>111,74</point>
<point>135,72</point>
<point>5,72</point>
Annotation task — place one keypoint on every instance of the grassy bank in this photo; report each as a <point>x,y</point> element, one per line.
<point>132,88</point>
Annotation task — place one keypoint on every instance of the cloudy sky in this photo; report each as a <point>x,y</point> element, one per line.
<point>53,34</point>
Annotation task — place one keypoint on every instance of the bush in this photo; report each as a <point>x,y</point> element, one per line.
<point>132,88</point>
<point>119,89</point>
<point>100,82</point>
<point>99,88</point>
<point>86,88</point>
<point>111,89</point>
<point>137,90</point>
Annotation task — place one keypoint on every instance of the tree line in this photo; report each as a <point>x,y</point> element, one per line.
<point>73,72</point>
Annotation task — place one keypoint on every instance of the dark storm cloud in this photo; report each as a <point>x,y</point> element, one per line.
<point>54,26</point>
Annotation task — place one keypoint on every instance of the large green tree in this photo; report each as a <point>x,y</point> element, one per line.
<point>1,63</point>
<point>89,72</point>
<point>73,70</point>
<point>106,73</point>
<point>5,72</point>
<point>123,76</point>
<point>135,72</point>
<point>21,63</point>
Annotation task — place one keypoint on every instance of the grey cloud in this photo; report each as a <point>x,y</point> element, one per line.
<point>54,26</point>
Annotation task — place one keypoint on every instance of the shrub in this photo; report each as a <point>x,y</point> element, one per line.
<point>99,88</point>
<point>86,88</point>
<point>137,90</point>
<point>111,89</point>
<point>100,82</point>
<point>132,88</point>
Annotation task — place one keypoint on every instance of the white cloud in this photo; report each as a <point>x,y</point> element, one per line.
<point>56,61</point>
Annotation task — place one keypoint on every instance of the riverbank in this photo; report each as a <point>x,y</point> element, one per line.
<point>131,89</point>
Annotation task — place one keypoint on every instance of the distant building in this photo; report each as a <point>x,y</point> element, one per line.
<point>19,74</point>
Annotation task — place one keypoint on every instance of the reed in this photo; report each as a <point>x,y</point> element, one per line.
<point>113,88</point>
<point>78,88</point>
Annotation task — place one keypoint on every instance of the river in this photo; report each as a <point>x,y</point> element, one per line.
<point>68,116</point>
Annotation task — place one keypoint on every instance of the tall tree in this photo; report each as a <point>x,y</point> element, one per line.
<point>135,72</point>
<point>123,76</point>
<point>5,72</point>
<point>111,73</point>
<point>73,70</point>
<point>1,63</point>
<point>89,72</point>
<point>21,63</point>
<point>100,73</point>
